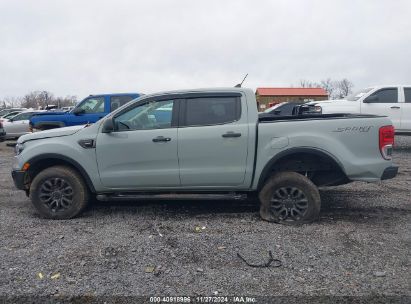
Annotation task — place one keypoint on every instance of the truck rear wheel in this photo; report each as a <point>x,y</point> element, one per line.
<point>59,193</point>
<point>289,198</point>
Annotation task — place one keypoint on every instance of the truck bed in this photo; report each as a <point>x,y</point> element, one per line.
<point>267,118</point>
<point>349,139</point>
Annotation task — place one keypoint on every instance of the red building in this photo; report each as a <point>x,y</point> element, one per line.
<point>267,97</point>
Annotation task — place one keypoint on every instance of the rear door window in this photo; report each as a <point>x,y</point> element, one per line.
<point>211,110</point>
<point>407,94</point>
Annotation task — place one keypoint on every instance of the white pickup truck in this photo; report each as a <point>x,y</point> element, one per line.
<point>393,101</point>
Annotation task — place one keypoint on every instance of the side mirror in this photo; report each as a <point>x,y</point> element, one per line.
<point>372,98</point>
<point>277,112</point>
<point>108,125</point>
<point>78,111</point>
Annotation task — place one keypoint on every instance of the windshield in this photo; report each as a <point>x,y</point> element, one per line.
<point>11,115</point>
<point>3,112</point>
<point>274,107</point>
<point>7,111</point>
<point>357,95</point>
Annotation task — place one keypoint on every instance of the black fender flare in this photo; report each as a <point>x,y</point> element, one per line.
<point>317,152</point>
<point>50,156</point>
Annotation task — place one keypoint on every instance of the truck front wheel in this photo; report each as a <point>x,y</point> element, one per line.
<point>289,198</point>
<point>59,193</point>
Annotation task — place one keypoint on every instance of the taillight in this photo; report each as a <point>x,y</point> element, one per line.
<point>386,141</point>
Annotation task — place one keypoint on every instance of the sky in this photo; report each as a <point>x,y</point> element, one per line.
<point>95,46</point>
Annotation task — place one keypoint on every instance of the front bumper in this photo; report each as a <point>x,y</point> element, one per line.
<point>389,172</point>
<point>20,179</point>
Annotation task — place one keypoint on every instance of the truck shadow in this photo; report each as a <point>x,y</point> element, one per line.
<point>360,207</point>
<point>334,209</point>
<point>178,207</point>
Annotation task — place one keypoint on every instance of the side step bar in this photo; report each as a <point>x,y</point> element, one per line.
<point>169,196</point>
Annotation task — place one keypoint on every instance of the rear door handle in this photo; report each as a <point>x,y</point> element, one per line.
<point>161,139</point>
<point>395,107</point>
<point>231,134</point>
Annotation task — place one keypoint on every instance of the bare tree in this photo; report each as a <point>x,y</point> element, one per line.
<point>344,87</point>
<point>41,99</point>
<point>38,99</point>
<point>67,101</point>
<point>329,86</point>
<point>304,83</point>
<point>334,88</point>
<point>11,101</point>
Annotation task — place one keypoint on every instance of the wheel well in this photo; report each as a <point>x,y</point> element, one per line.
<point>320,168</point>
<point>39,165</point>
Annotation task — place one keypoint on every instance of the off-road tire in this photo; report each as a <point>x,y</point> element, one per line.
<point>278,197</point>
<point>53,178</point>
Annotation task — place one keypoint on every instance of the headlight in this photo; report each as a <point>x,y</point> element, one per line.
<point>318,109</point>
<point>18,148</point>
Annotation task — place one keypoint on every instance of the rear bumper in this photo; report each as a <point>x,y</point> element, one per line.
<point>389,172</point>
<point>19,179</point>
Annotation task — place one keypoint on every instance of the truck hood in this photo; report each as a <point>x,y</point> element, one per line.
<point>324,102</point>
<point>50,133</point>
<point>51,113</point>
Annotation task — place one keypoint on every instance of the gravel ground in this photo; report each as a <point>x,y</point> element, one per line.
<point>360,246</point>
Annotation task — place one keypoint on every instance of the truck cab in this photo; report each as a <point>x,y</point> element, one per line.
<point>89,110</point>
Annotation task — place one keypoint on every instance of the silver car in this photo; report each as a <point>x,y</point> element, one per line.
<point>4,112</point>
<point>17,125</point>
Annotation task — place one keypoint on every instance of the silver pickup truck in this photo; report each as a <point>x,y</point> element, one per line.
<point>203,144</point>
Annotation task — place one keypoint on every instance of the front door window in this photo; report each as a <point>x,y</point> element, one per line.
<point>152,115</point>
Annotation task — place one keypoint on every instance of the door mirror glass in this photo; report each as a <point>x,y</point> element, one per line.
<point>108,125</point>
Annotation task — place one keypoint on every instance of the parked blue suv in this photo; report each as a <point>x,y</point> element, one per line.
<point>89,110</point>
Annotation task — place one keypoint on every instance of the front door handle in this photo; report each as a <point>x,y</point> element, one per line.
<point>231,134</point>
<point>161,139</point>
<point>395,107</point>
